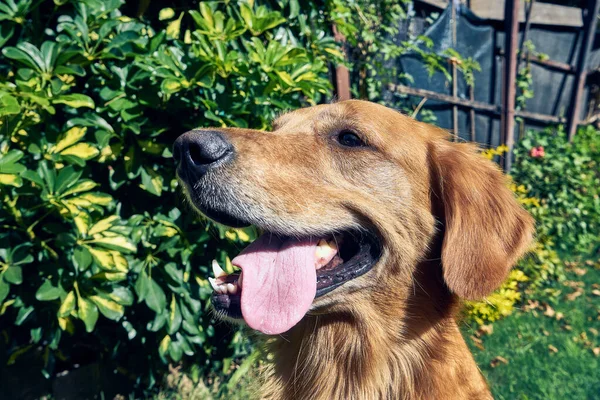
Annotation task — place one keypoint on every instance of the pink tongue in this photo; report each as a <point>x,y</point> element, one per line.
<point>279,282</point>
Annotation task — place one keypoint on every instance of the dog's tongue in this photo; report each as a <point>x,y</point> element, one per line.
<point>279,282</point>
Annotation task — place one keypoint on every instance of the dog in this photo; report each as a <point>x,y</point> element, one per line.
<point>375,227</point>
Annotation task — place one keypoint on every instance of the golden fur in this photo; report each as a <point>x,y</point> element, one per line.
<point>450,229</point>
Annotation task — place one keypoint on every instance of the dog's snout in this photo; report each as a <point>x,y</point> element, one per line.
<point>199,151</point>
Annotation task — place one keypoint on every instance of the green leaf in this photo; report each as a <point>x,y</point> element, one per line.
<point>67,306</point>
<point>151,181</point>
<point>33,177</point>
<point>14,275</point>
<point>75,100</point>
<point>9,105</point>
<point>81,186</point>
<point>6,32</point>
<point>88,313</point>
<point>47,292</point>
<point>175,351</point>
<point>108,308</point>
<point>8,163</point>
<point>159,321</point>
<point>121,295</point>
<point>9,158</point>
<point>66,177</point>
<point>27,54</point>
<point>82,257</point>
<point>175,273</point>
<point>22,315</point>
<point>93,120</point>
<point>141,286</point>
<point>4,289</point>
<point>155,297</point>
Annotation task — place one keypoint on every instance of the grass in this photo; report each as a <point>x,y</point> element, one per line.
<point>550,348</point>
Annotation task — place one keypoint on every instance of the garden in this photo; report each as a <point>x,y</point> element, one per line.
<point>103,265</point>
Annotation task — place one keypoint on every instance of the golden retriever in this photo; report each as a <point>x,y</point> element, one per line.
<point>375,225</point>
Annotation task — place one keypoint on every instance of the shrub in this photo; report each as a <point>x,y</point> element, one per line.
<point>565,178</point>
<point>558,183</point>
<point>97,261</point>
<point>500,303</point>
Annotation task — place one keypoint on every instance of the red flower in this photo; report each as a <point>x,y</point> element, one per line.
<point>537,152</point>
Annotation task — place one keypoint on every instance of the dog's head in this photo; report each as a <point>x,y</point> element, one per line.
<point>350,197</point>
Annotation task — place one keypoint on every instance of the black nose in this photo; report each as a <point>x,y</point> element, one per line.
<point>196,152</point>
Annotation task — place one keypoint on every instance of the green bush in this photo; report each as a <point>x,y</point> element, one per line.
<point>98,262</point>
<point>559,184</point>
<point>565,179</point>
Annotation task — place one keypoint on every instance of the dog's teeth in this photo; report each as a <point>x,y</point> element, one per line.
<point>217,271</point>
<point>239,282</point>
<point>213,283</point>
<point>231,288</point>
<point>325,252</point>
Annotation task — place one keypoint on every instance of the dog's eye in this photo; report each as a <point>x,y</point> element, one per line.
<point>350,139</point>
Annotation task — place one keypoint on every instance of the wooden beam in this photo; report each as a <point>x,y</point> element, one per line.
<point>509,81</point>
<point>545,63</point>
<point>545,13</point>
<point>472,105</point>
<point>478,105</point>
<point>592,9</point>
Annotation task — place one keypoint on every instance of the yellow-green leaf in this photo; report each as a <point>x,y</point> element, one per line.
<point>82,150</point>
<point>175,318</point>
<point>101,199</point>
<point>103,225</point>
<point>82,222</point>
<point>75,100</point>
<point>108,308</point>
<point>166,13</point>
<point>174,28</point>
<point>70,137</point>
<point>81,186</point>
<point>11,180</point>
<point>103,258</point>
<point>88,313</point>
<point>68,305</point>
<point>121,263</point>
<point>119,243</point>
<point>164,345</point>
<point>110,276</point>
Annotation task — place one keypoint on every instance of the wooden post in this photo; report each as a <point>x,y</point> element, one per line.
<point>589,23</point>
<point>455,132</point>
<point>511,30</point>
<point>342,75</point>
<point>472,131</point>
<point>523,56</point>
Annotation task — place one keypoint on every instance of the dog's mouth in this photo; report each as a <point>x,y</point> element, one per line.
<point>280,276</point>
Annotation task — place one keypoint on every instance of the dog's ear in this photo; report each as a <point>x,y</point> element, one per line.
<point>485,229</point>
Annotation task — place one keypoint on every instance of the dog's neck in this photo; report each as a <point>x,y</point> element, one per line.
<point>385,353</point>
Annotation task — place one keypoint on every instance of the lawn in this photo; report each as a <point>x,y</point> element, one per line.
<point>550,347</point>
